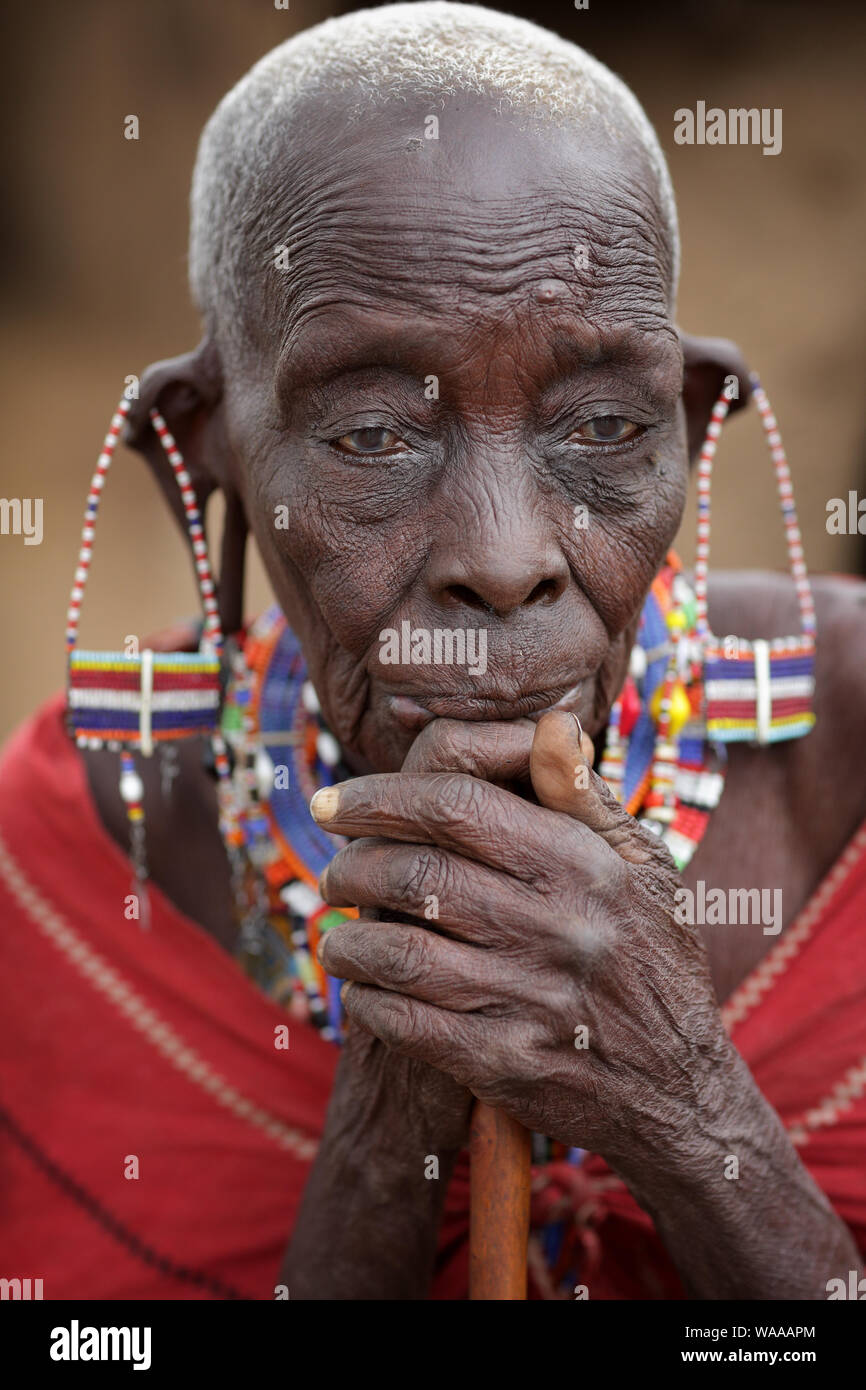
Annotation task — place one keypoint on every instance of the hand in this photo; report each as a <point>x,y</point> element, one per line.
<point>549,975</point>
<point>383,1083</point>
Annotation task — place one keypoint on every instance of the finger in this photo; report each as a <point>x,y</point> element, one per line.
<point>465,899</point>
<point>412,961</point>
<point>454,811</point>
<point>563,780</point>
<point>494,751</point>
<point>451,1042</point>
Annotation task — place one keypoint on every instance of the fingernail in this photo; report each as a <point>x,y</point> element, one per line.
<point>320,950</point>
<point>589,751</point>
<point>344,990</point>
<point>322,881</point>
<point>323,805</point>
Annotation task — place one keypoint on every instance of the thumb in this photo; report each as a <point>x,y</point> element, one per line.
<point>560,765</point>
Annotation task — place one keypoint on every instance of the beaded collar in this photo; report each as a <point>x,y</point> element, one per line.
<point>657,760</point>
<point>280,753</point>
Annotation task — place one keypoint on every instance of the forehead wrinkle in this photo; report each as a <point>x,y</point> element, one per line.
<point>435,253</point>
<point>357,329</point>
<point>606,213</point>
<point>303,102</point>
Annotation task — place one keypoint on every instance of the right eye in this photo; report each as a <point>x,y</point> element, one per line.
<point>375,439</point>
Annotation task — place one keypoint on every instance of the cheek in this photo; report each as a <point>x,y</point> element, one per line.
<point>331,554</point>
<point>627,530</point>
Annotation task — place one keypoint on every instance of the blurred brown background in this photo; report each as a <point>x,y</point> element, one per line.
<point>93,268</point>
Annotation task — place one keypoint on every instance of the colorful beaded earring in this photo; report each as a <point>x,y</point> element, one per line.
<point>141,701</point>
<point>688,693</point>
<point>761,691</point>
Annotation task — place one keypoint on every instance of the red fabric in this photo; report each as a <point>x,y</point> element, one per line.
<point>85,1087</point>
<point>799,1020</point>
<point>117,1042</point>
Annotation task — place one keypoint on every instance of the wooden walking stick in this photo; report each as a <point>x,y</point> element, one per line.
<point>500,1174</point>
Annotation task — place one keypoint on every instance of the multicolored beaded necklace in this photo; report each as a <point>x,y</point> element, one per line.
<point>280,754</point>
<point>657,759</point>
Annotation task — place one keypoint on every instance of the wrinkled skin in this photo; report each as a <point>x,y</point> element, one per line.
<point>543,917</point>
<point>455,258</point>
<point>462,271</point>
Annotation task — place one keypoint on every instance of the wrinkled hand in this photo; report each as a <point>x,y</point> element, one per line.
<point>550,977</point>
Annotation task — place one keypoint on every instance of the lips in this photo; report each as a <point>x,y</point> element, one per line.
<point>412,714</point>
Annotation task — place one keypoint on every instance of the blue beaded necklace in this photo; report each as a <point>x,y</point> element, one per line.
<point>280,754</point>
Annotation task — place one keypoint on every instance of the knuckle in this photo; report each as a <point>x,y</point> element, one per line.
<point>435,745</point>
<point>458,799</point>
<point>417,875</point>
<point>407,875</point>
<point>587,938</point>
<point>397,1019</point>
<point>407,960</point>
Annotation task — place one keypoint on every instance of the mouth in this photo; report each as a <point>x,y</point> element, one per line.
<point>414,715</point>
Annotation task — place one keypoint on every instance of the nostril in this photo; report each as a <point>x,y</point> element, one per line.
<point>461,594</point>
<point>544,591</point>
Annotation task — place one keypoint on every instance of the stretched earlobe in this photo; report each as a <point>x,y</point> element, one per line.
<point>188,392</point>
<point>230,589</point>
<point>708,365</point>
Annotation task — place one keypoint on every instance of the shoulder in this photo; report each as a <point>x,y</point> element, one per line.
<point>762,596</point>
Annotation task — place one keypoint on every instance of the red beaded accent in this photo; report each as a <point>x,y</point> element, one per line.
<point>204,576</point>
<point>762,691</point>
<point>786,499</point>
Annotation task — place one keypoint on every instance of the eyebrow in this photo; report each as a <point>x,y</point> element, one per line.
<point>316,357</point>
<point>313,356</point>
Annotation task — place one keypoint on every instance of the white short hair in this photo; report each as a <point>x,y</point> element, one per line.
<point>429,50</point>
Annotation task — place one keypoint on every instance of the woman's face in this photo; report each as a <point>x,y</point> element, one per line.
<point>464,415</point>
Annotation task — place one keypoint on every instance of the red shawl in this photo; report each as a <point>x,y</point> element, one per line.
<point>119,1043</point>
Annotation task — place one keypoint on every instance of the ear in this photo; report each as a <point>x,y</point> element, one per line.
<point>187,392</point>
<point>707,363</point>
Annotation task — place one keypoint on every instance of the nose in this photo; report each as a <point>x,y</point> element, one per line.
<point>499,571</point>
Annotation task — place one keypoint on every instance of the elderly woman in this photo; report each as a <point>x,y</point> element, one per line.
<point>441,382</point>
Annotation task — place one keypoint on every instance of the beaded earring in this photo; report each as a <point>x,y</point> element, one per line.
<point>147,700</point>
<point>762,691</point>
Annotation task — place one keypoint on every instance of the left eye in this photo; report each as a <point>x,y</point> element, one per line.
<point>373,440</point>
<point>606,429</point>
